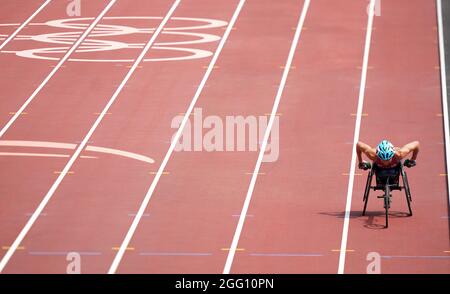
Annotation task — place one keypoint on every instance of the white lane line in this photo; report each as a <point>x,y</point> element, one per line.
<point>351,178</point>
<point>56,68</point>
<point>173,254</point>
<point>38,144</point>
<point>120,153</point>
<point>14,34</point>
<point>49,155</point>
<point>444,90</point>
<point>287,254</point>
<point>19,154</point>
<point>80,147</point>
<point>416,256</point>
<point>152,188</point>
<point>251,187</point>
<point>41,144</point>
<point>63,253</point>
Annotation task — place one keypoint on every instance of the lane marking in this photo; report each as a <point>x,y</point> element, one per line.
<point>64,173</point>
<point>89,148</point>
<point>64,253</point>
<point>120,153</point>
<point>368,67</point>
<point>127,249</point>
<point>33,154</point>
<point>80,148</point>
<point>30,214</point>
<point>251,173</point>
<point>152,188</point>
<point>173,254</point>
<point>26,22</point>
<point>163,173</point>
<point>347,174</point>
<point>175,50</point>
<point>88,157</point>
<point>53,72</point>
<point>416,256</point>
<point>134,214</point>
<point>362,114</point>
<point>444,91</point>
<point>183,114</point>
<point>235,249</point>
<point>214,67</point>
<point>351,178</point>
<point>279,94</point>
<point>286,254</point>
<point>276,114</point>
<point>339,250</point>
<point>37,144</point>
<point>23,113</point>
<point>9,247</point>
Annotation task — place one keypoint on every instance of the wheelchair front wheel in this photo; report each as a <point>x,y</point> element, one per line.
<point>387,203</point>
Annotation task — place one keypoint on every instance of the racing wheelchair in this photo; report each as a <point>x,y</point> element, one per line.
<point>388,180</point>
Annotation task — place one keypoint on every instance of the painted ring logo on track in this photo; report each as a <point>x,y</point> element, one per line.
<point>63,40</point>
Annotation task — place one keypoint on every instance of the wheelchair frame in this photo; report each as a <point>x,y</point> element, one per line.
<point>384,183</point>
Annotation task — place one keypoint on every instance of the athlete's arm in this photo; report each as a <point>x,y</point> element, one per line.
<point>367,150</point>
<point>407,149</point>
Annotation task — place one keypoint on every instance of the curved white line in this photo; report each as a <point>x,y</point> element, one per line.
<point>120,153</point>
<point>39,53</point>
<point>42,144</point>
<point>32,154</point>
<point>92,45</point>
<point>213,23</point>
<point>203,38</point>
<point>67,23</point>
<point>37,144</point>
<point>196,54</point>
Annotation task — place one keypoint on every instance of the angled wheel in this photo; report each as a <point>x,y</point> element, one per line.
<point>407,192</point>
<point>367,191</point>
<point>406,184</point>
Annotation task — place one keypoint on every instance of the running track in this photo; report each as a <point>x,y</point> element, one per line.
<point>296,214</point>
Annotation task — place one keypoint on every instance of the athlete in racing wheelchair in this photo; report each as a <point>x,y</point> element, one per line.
<point>387,166</point>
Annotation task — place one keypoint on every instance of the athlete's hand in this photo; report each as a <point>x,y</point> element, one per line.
<point>364,165</point>
<point>409,163</point>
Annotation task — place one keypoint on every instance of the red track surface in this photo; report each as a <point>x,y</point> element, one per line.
<point>295,220</point>
<point>404,86</point>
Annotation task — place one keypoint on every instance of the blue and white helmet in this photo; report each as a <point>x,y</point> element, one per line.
<point>385,150</point>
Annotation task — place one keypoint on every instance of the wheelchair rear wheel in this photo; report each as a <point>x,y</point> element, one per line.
<point>407,192</point>
<point>367,191</point>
